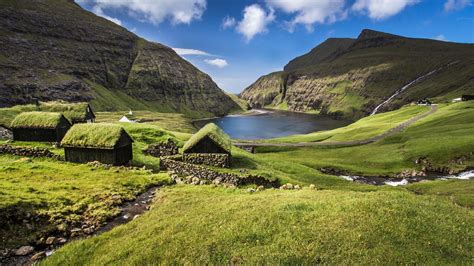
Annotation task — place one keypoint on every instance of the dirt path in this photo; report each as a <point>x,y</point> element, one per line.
<point>389,132</point>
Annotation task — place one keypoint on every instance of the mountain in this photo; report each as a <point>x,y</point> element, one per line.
<point>350,77</point>
<point>54,49</point>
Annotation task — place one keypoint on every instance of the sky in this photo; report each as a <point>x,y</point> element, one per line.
<point>237,41</point>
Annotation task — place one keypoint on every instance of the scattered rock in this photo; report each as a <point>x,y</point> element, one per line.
<point>76,232</point>
<point>251,190</point>
<point>297,187</point>
<point>88,230</point>
<point>260,188</point>
<point>38,256</point>
<point>50,240</point>
<point>61,240</point>
<point>25,250</point>
<point>312,186</point>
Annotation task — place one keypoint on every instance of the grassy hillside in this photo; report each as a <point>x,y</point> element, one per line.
<point>348,78</point>
<point>61,51</point>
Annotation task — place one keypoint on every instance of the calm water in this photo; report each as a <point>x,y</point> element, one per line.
<point>273,124</point>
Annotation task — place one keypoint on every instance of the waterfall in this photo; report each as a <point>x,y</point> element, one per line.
<point>402,89</point>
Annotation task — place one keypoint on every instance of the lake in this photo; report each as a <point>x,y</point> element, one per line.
<point>267,124</point>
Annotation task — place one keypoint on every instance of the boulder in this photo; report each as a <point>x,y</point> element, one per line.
<point>24,250</point>
<point>38,256</point>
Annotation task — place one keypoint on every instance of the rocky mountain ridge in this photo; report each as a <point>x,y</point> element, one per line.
<point>54,49</point>
<point>349,77</point>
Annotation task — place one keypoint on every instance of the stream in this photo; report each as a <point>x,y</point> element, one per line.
<point>379,180</point>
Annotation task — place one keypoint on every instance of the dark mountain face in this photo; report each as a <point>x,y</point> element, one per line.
<point>53,49</point>
<point>350,77</point>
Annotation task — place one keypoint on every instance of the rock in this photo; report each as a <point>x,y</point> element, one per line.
<point>251,190</point>
<point>50,240</point>
<point>204,182</point>
<point>61,240</point>
<point>297,187</point>
<point>40,241</point>
<point>135,217</point>
<point>312,186</point>
<point>260,188</point>
<point>76,232</point>
<point>195,181</point>
<point>62,227</point>
<point>25,250</point>
<point>38,256</point>
<point>89,230</point>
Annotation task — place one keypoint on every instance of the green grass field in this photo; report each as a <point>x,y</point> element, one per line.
<point>63,193</point>
<point>338,223</point>
<point>203,225</point>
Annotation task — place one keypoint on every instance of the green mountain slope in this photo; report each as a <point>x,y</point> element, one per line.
<point>350,77</point>
<point>54,49</point>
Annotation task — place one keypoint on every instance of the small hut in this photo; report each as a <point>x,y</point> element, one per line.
<point>467,97</point>
<point>40,126</point>
<point>105,143</point>
<point>210,146</point>
<point>80,112</point>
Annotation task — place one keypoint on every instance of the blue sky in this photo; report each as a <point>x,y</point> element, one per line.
<point>236,42</point>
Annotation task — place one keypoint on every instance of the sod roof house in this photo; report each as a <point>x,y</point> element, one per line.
<point>39,126</point>
<point>106,143</point>
<point>210,139</point>
<point>75,112</point>
<point>467,97</point>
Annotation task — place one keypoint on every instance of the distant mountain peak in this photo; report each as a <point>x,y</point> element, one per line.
<point>369,34</point>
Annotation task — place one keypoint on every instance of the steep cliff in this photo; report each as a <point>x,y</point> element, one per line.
<point>54,49</point>
<point>350,77</point>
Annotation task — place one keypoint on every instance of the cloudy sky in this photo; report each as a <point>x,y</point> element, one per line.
<point>236,41</point>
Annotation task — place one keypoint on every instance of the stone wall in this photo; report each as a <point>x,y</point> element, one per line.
<point>162,149</point>
<point>26,151</point>
<point>5,133</point>
<point>200,173</point>
<point>212,159</point>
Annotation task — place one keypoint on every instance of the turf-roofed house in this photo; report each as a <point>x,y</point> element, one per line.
<point>40,126</point>
<point>209,146</point>
<point>105,143</point>
<point>80,112</point>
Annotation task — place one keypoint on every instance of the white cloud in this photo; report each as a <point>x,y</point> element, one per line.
<point>99,12</point>
<point>220,63</point>
<point>441,37</point>
<point>255,21</point>
<point>228,22</point>
<point>156,11</point>
<point>380,9</point>
<point>451,5</point>
<point>185,51</point>
<point>309,12</point>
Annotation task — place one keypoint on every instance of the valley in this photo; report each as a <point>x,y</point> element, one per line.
<point>116,149</point>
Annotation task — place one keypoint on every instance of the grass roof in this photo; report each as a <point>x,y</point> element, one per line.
<point>100,135</point>
<point>36,120</point>
<point>73,111</point>
<point>213,132</point>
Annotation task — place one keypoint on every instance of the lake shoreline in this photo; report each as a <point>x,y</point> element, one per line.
<point>268,123</point>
